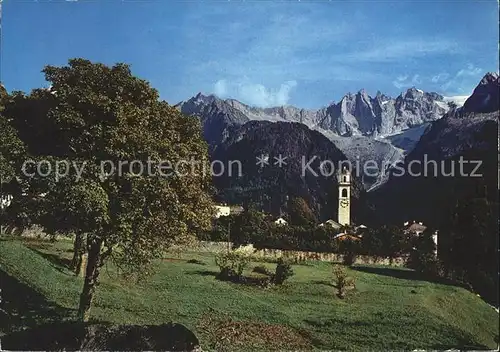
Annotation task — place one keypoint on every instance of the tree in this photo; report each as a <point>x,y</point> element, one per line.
<point>221,228</point>
<point>250,226</point>
<point>422,256</point>
<point>349,246</point>
<point>300,213</point>
<point>468,244</point>
<point>11,147</point>
<point>371,243</point>
<point>101,118</point>
<point>11,153</point>
<point>394,241</point>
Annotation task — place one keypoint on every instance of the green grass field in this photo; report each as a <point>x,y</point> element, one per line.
<point>390,308</point>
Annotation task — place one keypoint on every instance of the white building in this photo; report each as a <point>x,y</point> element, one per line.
<point>5,201</point>
<point>222,210</point>
<point>280,221</point>
<point>331,223</point>
<point>416,227</point>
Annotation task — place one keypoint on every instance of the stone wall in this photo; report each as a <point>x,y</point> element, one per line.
<point>298,256</point>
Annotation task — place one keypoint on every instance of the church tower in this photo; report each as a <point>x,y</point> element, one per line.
<point>344,197</point>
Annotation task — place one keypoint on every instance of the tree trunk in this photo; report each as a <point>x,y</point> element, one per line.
<point>83,265</point>
<point>91,277</point>
<point>78,251</point>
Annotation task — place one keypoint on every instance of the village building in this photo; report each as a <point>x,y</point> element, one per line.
<point>415,227</point>
<point>235,209</point>
<point>222,210</point>
<point>331,223</point>
<point>280,221</point>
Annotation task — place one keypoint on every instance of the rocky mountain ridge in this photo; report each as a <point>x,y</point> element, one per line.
<point>354,114</point>
<point>359,125</point>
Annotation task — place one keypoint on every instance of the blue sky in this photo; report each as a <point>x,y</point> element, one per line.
<point>304,53</point>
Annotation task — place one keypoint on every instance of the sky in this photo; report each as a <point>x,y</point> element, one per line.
<point>264,53</point>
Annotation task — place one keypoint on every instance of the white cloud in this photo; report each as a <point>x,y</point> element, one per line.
<point>220,88</point>
<point>403,81</point>
<point>269,44</point>
<point>440,77</point>
<point>471,70</point>
<point>463,80</point>
<point>254,93</point>
<point>404,49</point>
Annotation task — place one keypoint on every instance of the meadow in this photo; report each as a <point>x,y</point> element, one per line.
<point>391,308</point>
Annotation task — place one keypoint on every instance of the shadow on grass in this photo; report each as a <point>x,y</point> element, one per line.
<point>73,336</point>
<point>196,261</point>
<point>59,263</point>
<point>463,345</point>
<point>24,307</point>
<point>256,280</point>
<point>32,323</point>
<point>406,274</point>
<point>323,283</point>
<point>203,273</point>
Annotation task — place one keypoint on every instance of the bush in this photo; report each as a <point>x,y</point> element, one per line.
<point>350,249</point>
<point>283,271</point>
<point>425,263</point>
<point>422,257</point>
<point>231,265</point>
<point>342,281</point>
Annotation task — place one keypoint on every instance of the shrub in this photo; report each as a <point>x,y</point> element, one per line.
<point>342,281</point>
<point>245,250</point>
<point>283,271</point>
<point>231,265</point>
<point>350,249</point>
<point>425,263</point>
<point>422,257</point>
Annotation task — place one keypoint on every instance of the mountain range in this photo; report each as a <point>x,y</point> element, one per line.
<point>380,128</point>
<point>354,115</point>
<point>388,131</point>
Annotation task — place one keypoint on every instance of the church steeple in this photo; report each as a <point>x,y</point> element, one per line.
<point>344,197</point>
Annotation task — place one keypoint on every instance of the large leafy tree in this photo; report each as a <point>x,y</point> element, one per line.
<point>11,147</point>
<point>11,154</point>
<point>94,116</point>
<point>385,241</point>
<point>249,227</point>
